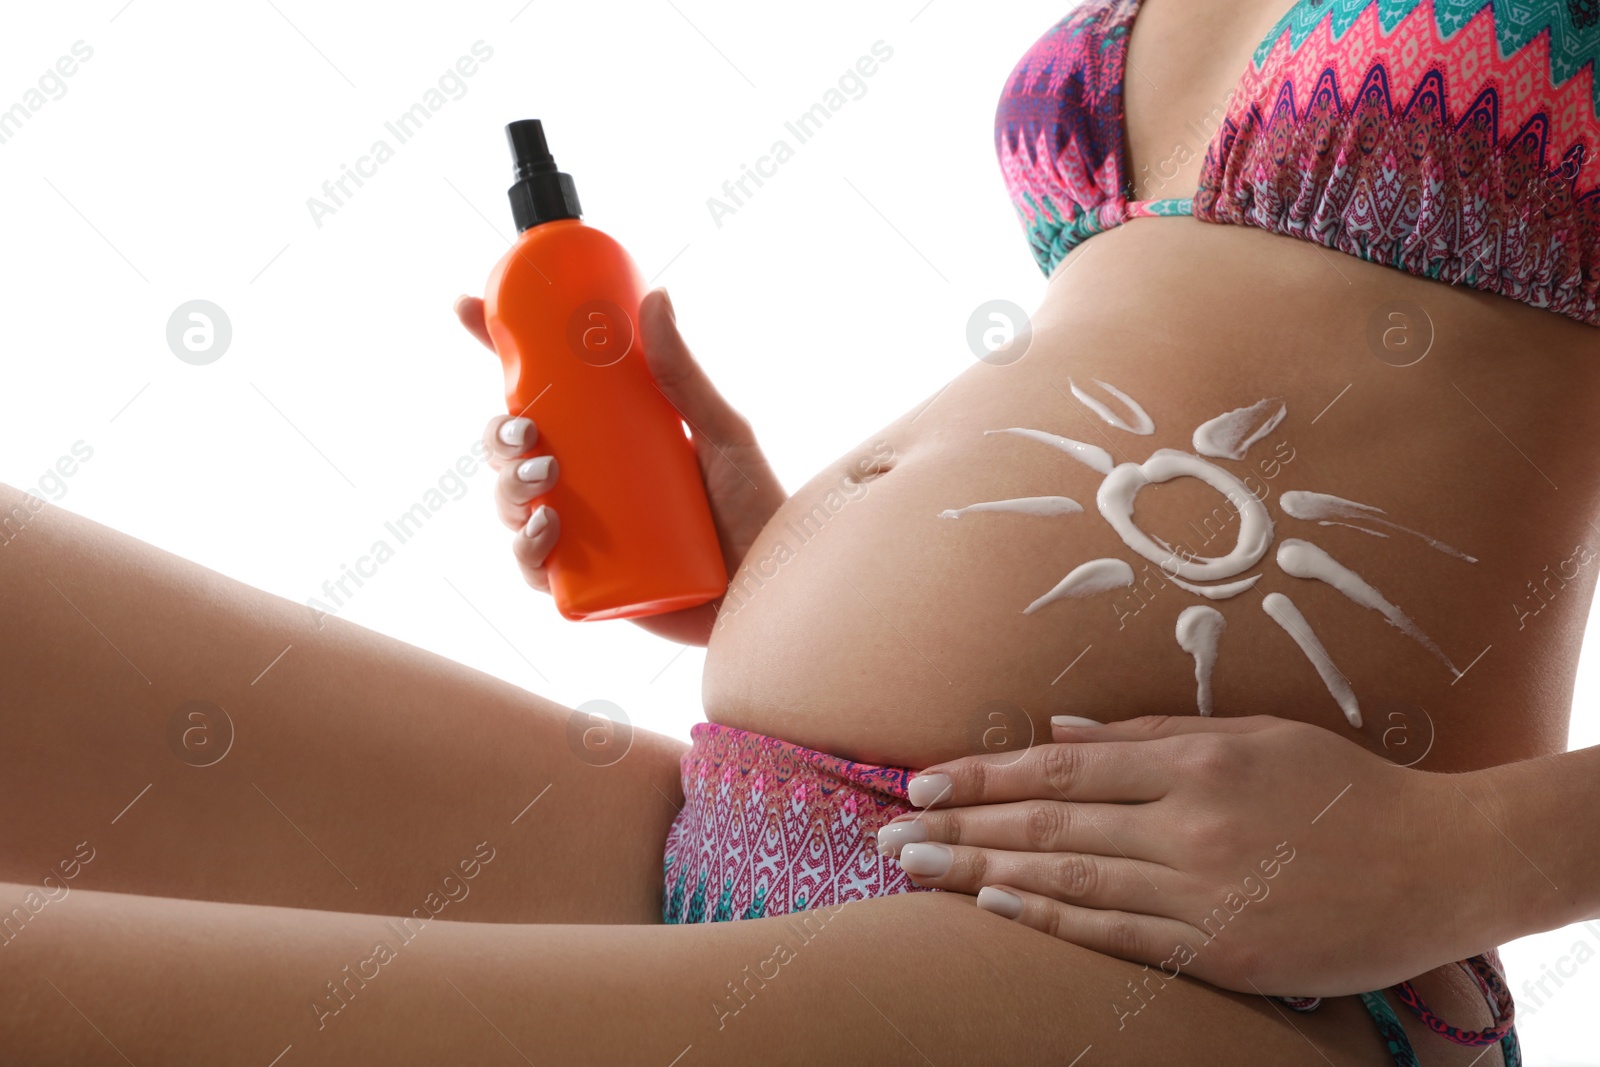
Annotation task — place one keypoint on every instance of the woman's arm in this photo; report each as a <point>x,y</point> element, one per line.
<point>1259,854</point>
<point>1547,814</point>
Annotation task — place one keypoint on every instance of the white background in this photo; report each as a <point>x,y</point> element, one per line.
<point>178,163</point>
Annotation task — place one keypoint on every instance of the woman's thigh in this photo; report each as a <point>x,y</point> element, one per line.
<point>358,772</point>
<point>909,980</point>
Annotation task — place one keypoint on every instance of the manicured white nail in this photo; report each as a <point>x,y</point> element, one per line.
<point>895,836</point>
<point>926,859</point>
<point>537,521</point>
<point>1006,905</point>
<point>513,432</point>
<point>926,790</point>
<point>536,469</point>
<point>1071,720</point>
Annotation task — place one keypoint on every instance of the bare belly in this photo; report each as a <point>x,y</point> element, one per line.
<point>868,622</point>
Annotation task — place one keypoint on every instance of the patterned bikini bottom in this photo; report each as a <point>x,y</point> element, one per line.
<point>772,828</point>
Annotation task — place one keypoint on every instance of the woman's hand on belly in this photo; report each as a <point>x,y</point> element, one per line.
<point>1258,854</point>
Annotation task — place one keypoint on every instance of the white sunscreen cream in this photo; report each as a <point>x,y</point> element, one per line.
<point>1141,424</point>
<point>1337,511</point>
<point>1353,526</point>
<point>1217,592</point>
<point>1230,436</point>
<point>1199,629</point>
<point>1096,576</point>
<point>1283,612</point>
<point>1091,456</point>
<point>1115,500</point>
<point>1302,559</point>
<point>1026,505</point>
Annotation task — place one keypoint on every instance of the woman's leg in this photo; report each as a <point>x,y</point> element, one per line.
<point>922,979</point>
<point>361,771</point>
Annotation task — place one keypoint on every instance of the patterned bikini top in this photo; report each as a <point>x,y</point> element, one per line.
<point>1453,139</point>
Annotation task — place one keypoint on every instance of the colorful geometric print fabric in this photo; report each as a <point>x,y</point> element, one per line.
<point>1058,130</point>
<point>771,828</point>
<point>1490,976</point>
<point>1455,140</point>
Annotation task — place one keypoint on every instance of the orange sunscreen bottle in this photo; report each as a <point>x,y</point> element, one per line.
<point>563,310</point>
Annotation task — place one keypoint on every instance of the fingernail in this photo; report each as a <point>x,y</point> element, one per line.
<point>896,835</point>
<point>1006,905</point>
<point>1071,720</point>
<point>536,469</point>
<point>926,859</point>
<point>514,431</point>
<point>926,790</point>
<point>672,313</point>
<point>537,521</point>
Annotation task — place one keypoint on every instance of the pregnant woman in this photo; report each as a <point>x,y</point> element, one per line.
<point>1302,428</point>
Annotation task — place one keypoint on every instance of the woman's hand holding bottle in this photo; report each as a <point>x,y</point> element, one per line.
<point>742,489</point>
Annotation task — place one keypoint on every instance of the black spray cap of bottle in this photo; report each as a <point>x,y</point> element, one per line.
<point>541,193</point>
